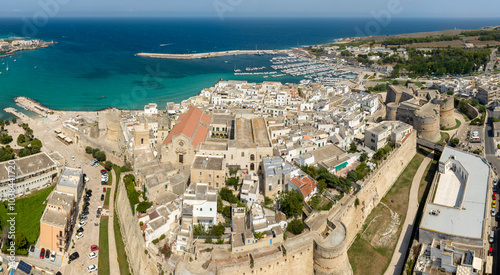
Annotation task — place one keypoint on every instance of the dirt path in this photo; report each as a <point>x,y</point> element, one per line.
<point>397,261</point>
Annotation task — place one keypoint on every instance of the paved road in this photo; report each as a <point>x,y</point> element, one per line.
<point>490,148</point>
<point>491,64</point>
<point>398,258</point>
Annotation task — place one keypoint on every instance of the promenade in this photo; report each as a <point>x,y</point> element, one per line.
<point>211,54</point>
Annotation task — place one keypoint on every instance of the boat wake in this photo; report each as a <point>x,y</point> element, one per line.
<point>164,45</point>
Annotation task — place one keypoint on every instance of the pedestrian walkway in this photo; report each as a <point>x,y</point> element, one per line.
<point>114,268</point>
<point>398,258</point>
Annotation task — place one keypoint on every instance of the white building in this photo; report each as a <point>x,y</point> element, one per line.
<point>161,221</point>
<point>200,203</point>
<point>249,191</point>
<point>151,109</point>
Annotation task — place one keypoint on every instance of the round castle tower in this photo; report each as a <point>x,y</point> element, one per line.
<point>392,110</point>
<point>427,122</point>
<point>446,108</point>
<point>112,126</point>
<point>330,251</point>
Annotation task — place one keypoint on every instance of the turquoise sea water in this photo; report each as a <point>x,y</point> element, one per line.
<point>93,66</point>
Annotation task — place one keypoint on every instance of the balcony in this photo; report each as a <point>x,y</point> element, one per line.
<point>61,237</point>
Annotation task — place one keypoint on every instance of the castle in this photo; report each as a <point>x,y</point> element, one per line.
<point>427,110</point>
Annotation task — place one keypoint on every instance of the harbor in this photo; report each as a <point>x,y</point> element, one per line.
<point>212,54</point>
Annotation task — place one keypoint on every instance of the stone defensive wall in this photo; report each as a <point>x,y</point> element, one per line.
<point>139,262</point>
<point>322,249</point>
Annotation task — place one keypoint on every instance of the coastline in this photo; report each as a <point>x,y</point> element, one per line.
<point>211,54</point>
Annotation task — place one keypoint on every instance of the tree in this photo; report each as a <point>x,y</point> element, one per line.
<point>219,204</point>
<point>143,206</point>
<point>21,139</point>
<point>14,120</point>
<point>353,147</point>
<point>322,185</point>
<point>7,122</point>
<point>454,141</point>
<point>228,195</point>
<point>21,241</point>
<point>295,226</point>
<point>5,139</point>
<point>233,182</point>
<point>24,152</point>
<point>100,156</point>
<point>36,142</point>
<point>450,92</point>
<point>226,211</point>
<point>218,230</point>
<point>88,150</point>
<point>474,102</point>
<point>108,165</point>
<point>356,202</point>
<point>363,157</point>
<point>166,250</point>
<point>6,153</point>
<point>290,203</point>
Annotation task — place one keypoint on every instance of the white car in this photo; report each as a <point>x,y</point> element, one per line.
<point>92,255</point>
<point>53,256</point>
<point>79,235</point>
<point>87,179</point>
<point>72,157</point>
<point>82,223</point>
<point>92,268</point>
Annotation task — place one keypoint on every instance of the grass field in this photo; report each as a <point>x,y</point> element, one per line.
<point>372,250</point>
<point>103,247</point>
<point>427,179</point>
<point>457,124</point>
<point>120,247</point>
<point>29,211</point>
<point>445,137</point>
<point>106,199</point>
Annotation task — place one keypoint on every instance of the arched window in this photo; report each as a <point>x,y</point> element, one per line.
<point>252,166</point>
<point>252,157</point>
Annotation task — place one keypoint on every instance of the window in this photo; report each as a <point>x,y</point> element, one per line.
<point>201,209</point>
<point>200,173</point>
<point>270,187</point>
<point>181,158</point>
<point>252,166</point>
<point>252,157</point>
<point>210,209</point>
<point>242,154</point>
<point>279,182</point>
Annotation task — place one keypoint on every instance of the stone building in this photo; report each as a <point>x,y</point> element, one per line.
<point>190,129</point>
<point>209,169</point>
<point>426,110</point>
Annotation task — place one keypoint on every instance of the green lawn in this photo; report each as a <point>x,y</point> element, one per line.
<point>29,211</point>
<point>120,246</point>
<point>106,199</point>
<point>363,256</point>
<point>103,247</point>
<point>445,137</point>
<point>457,124</point>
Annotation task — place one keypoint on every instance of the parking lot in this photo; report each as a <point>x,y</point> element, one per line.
<point>91,228</point>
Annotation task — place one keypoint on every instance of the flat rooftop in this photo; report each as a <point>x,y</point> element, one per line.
<point>326,153</point>
<point>276,165</point>
<point>467,219</point>
<point>251,133</point>
<point>70,177</point>
<point>208,162</point>
<point>27,165</point>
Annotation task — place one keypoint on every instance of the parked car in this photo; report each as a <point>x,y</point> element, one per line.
<point>53,256</point>
<point>92,255</point>
<point>497,217</point>
<point>83,217</point>
<point>79,230</point>
<point>102,197</point>
<point>74,256</point>
<point>490,252</point>
<point>47,253</point>
<point>103,171</point>
<point>32,248</point>
<point>42,253</point>
<point>92,268</point>
<point>79,235</point>
<point>82,223</point>
<point>94,247</point>
<point>104,189</point>
<point>72,157</point>
<point>493,212</point>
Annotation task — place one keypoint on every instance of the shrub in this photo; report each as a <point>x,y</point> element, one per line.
<point>108,165</point>
<point>208,240</point>
<point>155,241</point>
<point>143,206</point>
<point>36,143</point>
<point>100,156</point>
<point>88,150</point>
<point>295,226</point>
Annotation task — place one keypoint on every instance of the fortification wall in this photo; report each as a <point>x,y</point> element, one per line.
<point>139,262</point>
<point>287,259</point>
<point>392,95</point>
<point>375,188</point>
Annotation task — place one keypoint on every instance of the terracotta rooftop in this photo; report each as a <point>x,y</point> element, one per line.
<point>305,184</point>
<point>189,125</point>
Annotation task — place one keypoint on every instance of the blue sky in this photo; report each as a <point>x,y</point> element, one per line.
<point>249,8</point>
